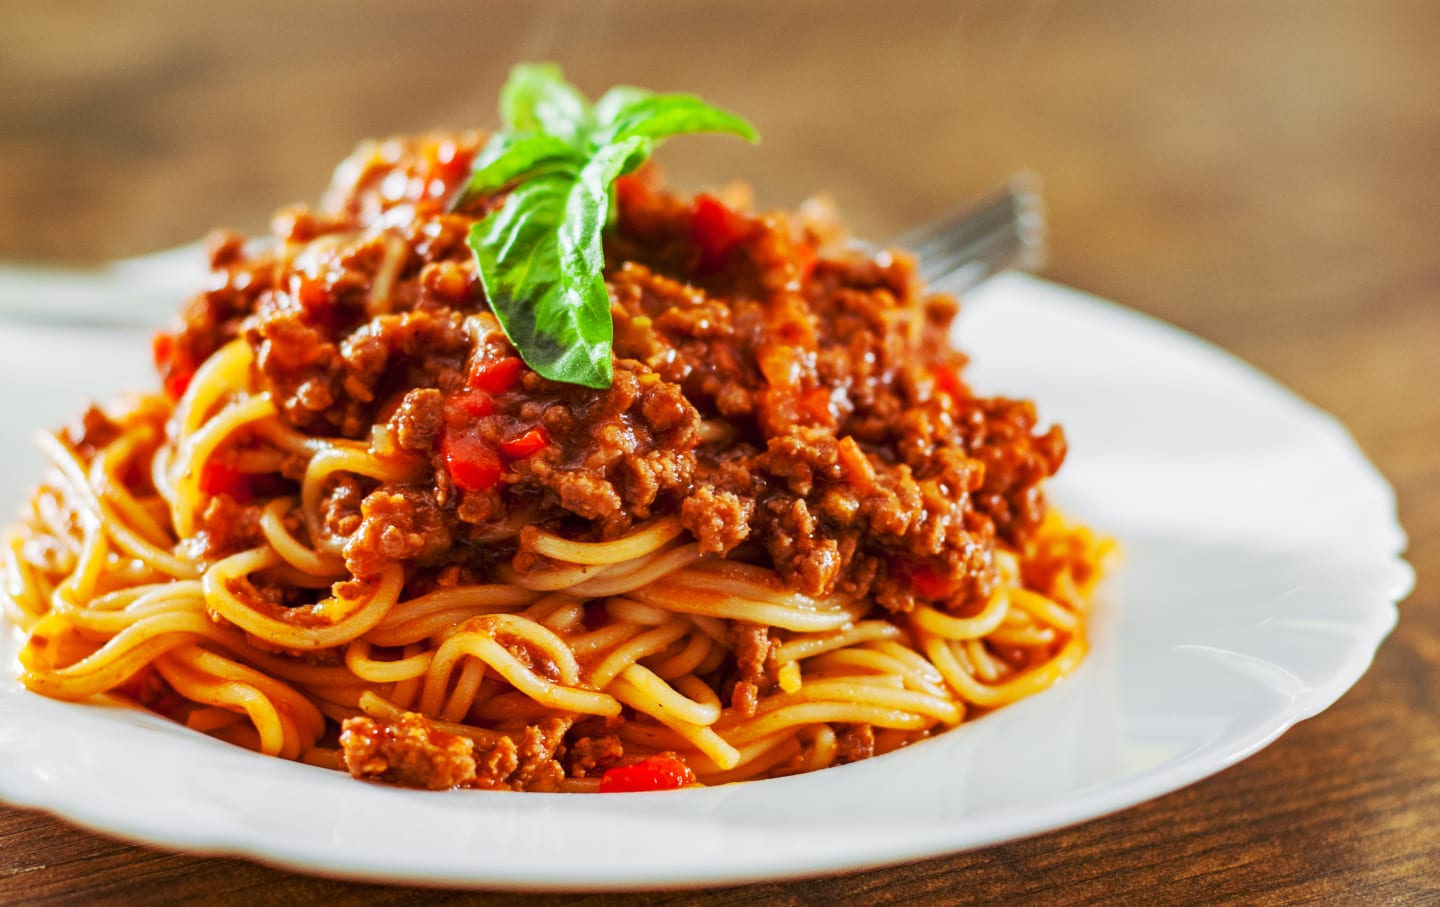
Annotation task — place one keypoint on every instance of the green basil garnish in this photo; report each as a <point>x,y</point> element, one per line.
<point>539,254</point>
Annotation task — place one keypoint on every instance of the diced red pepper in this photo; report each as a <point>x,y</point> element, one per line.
<point>162,349</point>
<point>805,253</point>
<point>222,478</point>
<point>177,383</point>
<point>476,403</point>
<point>496,376</point>
<point>716,230</point>
<point>175,369</point>
<point>526,443</point>
<point>947,381</point>
<point>663,772</point>
<point>472,463</point>
<point>928,583</point>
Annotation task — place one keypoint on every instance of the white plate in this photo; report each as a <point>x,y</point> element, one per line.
<point>1262,564</point>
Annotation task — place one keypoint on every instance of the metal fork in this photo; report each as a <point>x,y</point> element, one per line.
<point>1004,230</point>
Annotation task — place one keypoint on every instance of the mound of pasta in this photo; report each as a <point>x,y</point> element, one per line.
<point>356,528</point>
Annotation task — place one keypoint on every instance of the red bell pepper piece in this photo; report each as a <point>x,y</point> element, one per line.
<point>497,376</point>
<point>222,478</point>
<point>947,381</point>
<point>472,463</point>
<point>475,403</point>
<point>523,445</point>
<point>174,367</point>
<point>930,584</point>
<point>665,771</point>
<point>716,230</point>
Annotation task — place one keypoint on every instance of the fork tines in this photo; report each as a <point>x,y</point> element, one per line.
<point>1004,231</point>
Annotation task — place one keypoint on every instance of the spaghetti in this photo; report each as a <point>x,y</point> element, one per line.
<point>356,531</point>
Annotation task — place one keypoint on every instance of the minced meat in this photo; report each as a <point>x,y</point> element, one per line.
<point>775,389</point>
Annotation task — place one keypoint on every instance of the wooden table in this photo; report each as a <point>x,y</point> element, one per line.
<point>1264,175</point>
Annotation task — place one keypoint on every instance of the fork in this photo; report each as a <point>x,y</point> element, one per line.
<point>1004,230</point>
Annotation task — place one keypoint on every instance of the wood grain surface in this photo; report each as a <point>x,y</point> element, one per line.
<point>1266,175</point>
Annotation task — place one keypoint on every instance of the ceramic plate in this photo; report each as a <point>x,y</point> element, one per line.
<point>1260,574</point>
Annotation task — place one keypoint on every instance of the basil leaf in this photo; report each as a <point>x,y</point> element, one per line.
<point>613,102</point>
<point>588,208</point>
<point>663,115</point>
<point>540,256</point>
<point>507,158</point>
<point>537,98</point>
<point>550,301</point>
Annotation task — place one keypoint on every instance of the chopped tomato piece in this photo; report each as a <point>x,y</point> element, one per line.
<point>805,254</point>
<point>174,367</point>
<point>947,381</point>
<point>162,349</point>
<point>716,230</point>
<point>929,583</point>
<point>497,376</point>
<point>523,445</point>
<point>475,403</point>
<point>663,772</point>
<point>222,478</point>
<point>472,463</point>
<point>176,384</point>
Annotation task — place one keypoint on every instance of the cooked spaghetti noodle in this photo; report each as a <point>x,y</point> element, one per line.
<point>355,531</point>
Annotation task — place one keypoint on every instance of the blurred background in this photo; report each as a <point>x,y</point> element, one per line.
<point>1212,162</point>
<point>1266,175</point>
<point>1217,163</point>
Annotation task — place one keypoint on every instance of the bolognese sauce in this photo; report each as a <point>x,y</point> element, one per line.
<point>773,387</point>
